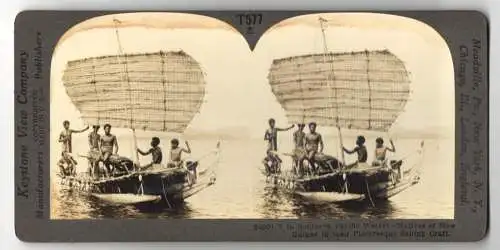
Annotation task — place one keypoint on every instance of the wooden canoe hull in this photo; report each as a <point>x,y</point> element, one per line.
<point>355,184</point>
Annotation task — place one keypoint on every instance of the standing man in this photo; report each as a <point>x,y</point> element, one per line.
<point>65,138</point>
<point>299,153</point>
<point>109,146</point>
<point>94,150</point>
<point>271,135</point>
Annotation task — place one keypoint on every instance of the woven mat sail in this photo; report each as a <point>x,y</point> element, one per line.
<point>157,91</point>
<point>364,90</point>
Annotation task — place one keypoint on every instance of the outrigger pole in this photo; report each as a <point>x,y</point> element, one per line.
<point>321,22</point>
<point>120,50</point>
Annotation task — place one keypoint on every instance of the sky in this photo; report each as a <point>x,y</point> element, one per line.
<point>237,91</point>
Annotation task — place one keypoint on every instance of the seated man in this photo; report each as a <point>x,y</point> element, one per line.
<point>176,153</point>
<point>67,165</point>
<point>272,163</point>
<point>381,151</point>
<point>360,150</point>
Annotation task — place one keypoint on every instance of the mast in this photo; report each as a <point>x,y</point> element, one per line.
<point>120,50</point>
<point>321,22</point>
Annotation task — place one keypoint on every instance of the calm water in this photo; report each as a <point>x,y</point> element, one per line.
<point>241,191</point>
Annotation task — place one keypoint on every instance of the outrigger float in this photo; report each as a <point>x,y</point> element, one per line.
<point>360,90</point>
<point>158,92</point>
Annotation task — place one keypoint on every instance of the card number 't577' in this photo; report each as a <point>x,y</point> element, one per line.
<point>249,19</point>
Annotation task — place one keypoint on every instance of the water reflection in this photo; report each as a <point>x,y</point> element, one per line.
<point>277,203</point>
<point>78,205</point>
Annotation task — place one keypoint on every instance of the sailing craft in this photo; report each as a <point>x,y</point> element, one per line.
<point>359,90</point>
<point>159,92</point>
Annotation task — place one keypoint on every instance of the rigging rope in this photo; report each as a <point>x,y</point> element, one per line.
<point>369,193</point>
<point>125,65</point>
<point>369,90</point>
<point>94,82</point>
<point>301,95</point>
<point>165,193</point>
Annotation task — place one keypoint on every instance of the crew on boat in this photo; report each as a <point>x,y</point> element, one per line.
<point>299,152</point>
<point>272,159</point>
<point>176,153</point>
<point>313,144</point>
<point>109,146</point>
<point>381,150</point>
<point>65,138</point>
<point>94,151</point>
<point>155,152</point>
<point>360,150</point>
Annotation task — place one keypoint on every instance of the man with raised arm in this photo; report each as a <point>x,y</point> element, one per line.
<point>65,138</point>
<point>176,153</point>
<point>155,151</point>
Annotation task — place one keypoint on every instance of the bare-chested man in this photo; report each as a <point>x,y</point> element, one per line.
<point>94,138</point>
<point>299,137</point>
<point>155,152</point>
<point>381,150</point>
<point>360,149</point>
<point>271,136</point>
<point>299,140</point>
<point>109,146</point>
<point>176,153</point>
<point>94,150</point>
<point>314,144</point>
<point>65,138</point>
